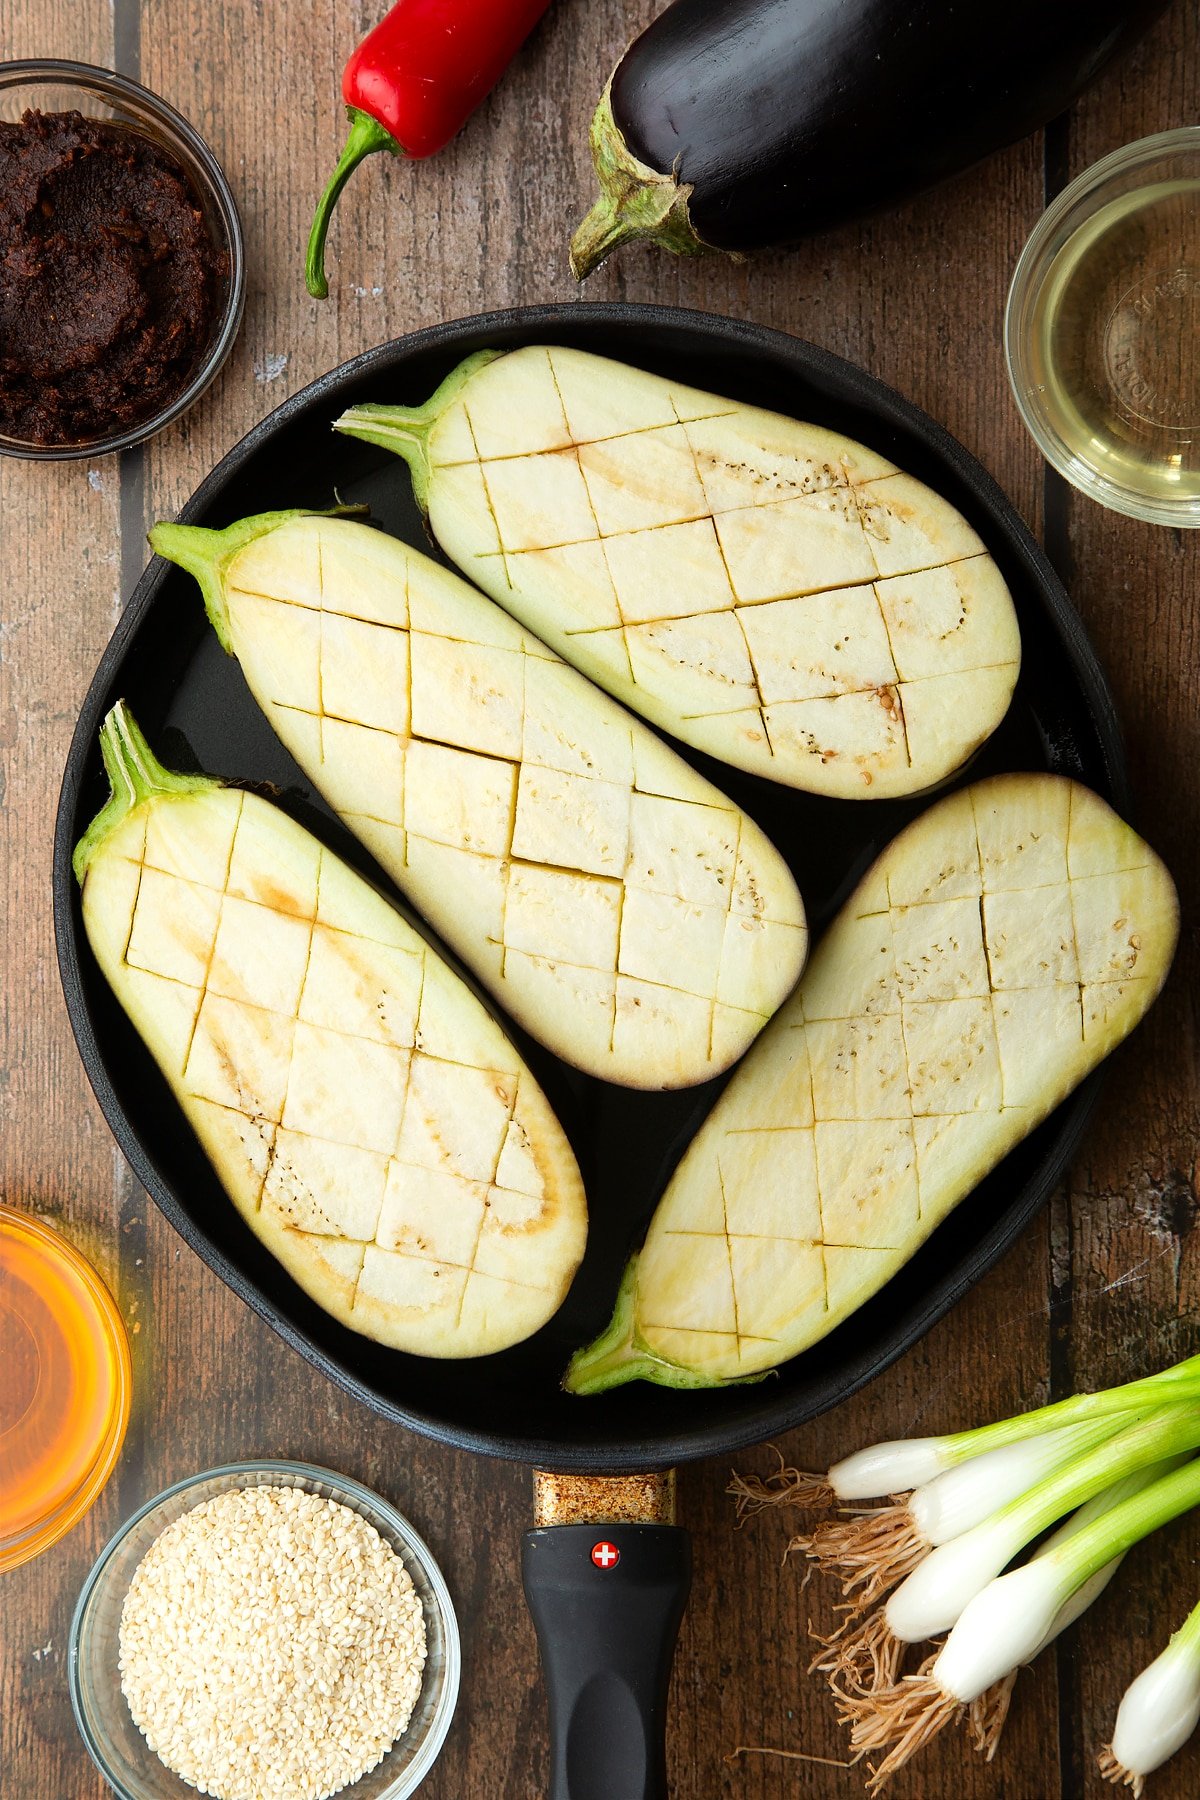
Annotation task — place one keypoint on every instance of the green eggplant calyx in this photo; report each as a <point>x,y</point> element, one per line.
<point>611,1360</point>
<point>367,136</point>
<point>206,554</point>
<point>635,202</point>
<point>618,1355</point>
<point>135,776</point>
<point>406,430</point>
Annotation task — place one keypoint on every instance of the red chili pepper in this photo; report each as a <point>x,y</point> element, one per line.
<point>413,82</point>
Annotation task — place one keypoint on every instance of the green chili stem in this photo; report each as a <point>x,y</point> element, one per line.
<point>367,136</point>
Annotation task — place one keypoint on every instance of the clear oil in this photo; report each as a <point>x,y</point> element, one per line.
<point>1116,342</point>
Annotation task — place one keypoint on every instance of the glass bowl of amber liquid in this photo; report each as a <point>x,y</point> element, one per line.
<point>52,87</point>
<point>64,1386</point>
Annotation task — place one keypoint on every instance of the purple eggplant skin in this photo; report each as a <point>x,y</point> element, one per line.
<point>753,123</point>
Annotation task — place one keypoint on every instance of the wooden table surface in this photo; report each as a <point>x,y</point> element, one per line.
<point>1103,1287</point>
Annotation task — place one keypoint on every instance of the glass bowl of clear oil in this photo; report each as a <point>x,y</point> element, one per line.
<point>64,1386</point>
<point>1102,330</point>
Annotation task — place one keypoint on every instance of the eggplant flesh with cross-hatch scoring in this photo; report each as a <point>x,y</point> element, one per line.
<point>619,907</point>
<point>997,950</point>
<point>737,125</point>
<point>770,592</point>
<point>367,1117</point>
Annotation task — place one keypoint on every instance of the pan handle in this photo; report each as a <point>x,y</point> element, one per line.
<point>606,1601</point>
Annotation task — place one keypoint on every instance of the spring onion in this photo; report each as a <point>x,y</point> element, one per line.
<point>988,1712</point>
<point>1006,1623</point>
<point>1107,1468</point>
<point>932,1598</point>
<point>1159,1711</point>
<point>874,1550</point>
<point>896,1467</point>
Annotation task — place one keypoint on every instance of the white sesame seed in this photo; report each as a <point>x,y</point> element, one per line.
<point>271,1646</point>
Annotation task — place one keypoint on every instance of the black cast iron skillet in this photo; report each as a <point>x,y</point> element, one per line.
<point>610,1627</point>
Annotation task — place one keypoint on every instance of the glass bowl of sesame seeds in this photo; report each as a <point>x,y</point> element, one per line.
<point>270,1630</point>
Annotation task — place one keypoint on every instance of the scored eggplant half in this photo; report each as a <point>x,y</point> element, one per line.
<point>367,1117</point>
<point>997,950</point>
<point>767,591</point>
<point>740,126</point>
<point>621,909</point>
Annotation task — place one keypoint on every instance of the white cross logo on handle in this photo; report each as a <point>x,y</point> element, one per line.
<point>605,1555</point>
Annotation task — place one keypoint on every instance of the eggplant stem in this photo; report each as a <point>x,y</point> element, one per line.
<point>206,553</point>
<point>611,1359</point>
<point>135,776</point>
<point>367,136</point>
<point>405,430</point>
<point>618,1355</point>
<point>636,202</point>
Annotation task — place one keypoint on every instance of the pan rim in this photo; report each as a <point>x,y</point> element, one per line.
<point>777,1412</point>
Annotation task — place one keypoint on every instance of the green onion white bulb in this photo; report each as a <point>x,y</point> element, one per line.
<point>1009,1620</point>
<point>934,1596</point>
<point>1160,1709</point>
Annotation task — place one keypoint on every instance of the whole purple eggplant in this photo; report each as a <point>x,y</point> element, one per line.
<point>740,124</point>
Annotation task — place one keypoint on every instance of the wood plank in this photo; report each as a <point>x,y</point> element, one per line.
<point>1127,1254</point>
<point>745,1645</point>
<point>60,554</point>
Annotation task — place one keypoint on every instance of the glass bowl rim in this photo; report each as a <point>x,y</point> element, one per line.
<point>54,1526</point>
<point>374,1508</point>
<point>1027,278</point>
<point>66,72</point>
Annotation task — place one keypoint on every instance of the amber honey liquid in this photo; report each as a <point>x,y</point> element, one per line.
<point>64,1386</point>
<point>1115,345</point>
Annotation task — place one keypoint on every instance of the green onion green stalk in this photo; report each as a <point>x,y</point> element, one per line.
<point>893,1468</point>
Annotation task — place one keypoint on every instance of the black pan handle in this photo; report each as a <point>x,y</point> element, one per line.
<point>607,1601</point>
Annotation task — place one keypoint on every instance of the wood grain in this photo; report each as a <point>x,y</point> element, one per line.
<point>1126,1253</point>
<point>60,555</point>
<point>1103,1286</point>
